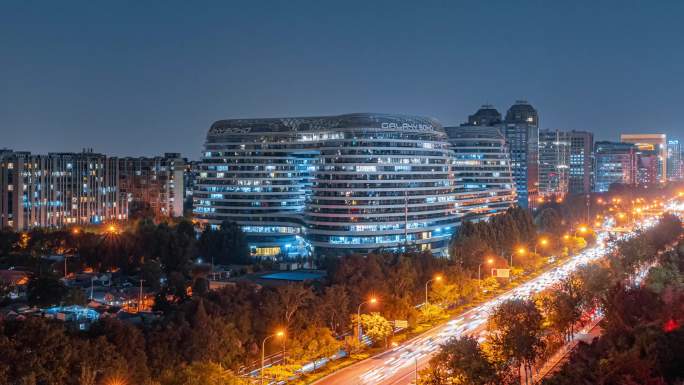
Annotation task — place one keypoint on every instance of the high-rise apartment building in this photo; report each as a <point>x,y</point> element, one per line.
<point>616,163</point>
<point>334,184</point>
<point>521,129</point>
<point>482,167</point>
<point>581,162</point>
<point>653,156</point>
<point>59,189</point>
<point>554,158</point>
<point>674,160</point>
<point>156,182</point>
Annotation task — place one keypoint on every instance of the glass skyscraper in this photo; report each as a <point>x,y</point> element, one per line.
<point>521,128</point>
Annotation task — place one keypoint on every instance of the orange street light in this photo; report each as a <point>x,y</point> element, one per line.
<point>583,229</point>
<point>542,242</point>
<point>372,300</point>
<point>75,231</point>
<point>479,277</point>
<point>278,334</point>
<point>116,381</point>
<point>436,278</point>
<point>566,236</point>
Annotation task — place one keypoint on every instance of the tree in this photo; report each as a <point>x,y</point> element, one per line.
<point>227,245</point>
<point>550,221</point>
<point>430,312</point>
<point>376,327</point>
<point>334,307</point>
<point>515,334</point>
<point>446,294</point>
<point>151,272</point>
<point>312,344</point>
<point>460,361</point>
<point>594,281</point>
<point>75,296</point>
<point>206,373</point>
<point>283,304</point>
<point>46,290</point>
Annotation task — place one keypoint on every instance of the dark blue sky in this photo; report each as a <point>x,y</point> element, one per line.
<point>134,79</point>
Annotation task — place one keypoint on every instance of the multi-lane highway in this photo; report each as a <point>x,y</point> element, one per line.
<point>398,366</point>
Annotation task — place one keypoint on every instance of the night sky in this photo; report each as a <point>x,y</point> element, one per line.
<point>143,79</point>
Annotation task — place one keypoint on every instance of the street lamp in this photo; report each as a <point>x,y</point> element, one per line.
<point>521,251</point>
<point>111,229</point>
<point>278,334</point>
<point>543,242</point>
<point>371,301</point>
<point>479,277</point>
<point>437,278</point>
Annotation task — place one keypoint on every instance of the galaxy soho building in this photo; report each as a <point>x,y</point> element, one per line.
<point>331,185</point>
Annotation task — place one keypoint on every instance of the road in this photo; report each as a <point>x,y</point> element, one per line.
<point>398,366</point>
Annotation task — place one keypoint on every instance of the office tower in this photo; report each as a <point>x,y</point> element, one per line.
<point>652,148</point>
<point>521,129</point>
<point>336,184</point>
<point>554,154</point>
<point>674,160</point>
<point>482,166</point>
<point>487,115</point>
<point>59,189</point>
<point>616,163</point>
<point>581,172</point>
<point>154,183</point>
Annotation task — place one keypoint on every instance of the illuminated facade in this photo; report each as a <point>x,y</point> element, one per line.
<point>616,163</point>
<point>653,156</point>
<point>554,158</point>
<point>482,166</point>
<point>153,181</point>
<point>521,129</point>
<point>332,184</point>
<point>674,160</point>
<point>59,189</point>
<point>581,162</point>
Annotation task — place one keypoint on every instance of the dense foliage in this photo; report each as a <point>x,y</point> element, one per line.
<point>642,334</point>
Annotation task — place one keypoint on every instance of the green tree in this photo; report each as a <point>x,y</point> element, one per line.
<point>431,312</point>
<point>515,334</point>
<point>460,361</point>
<point>376,327</point>
<point>206,373</point>
<point>312,344</point>
<point>46,290</point>
<point>550,221</point>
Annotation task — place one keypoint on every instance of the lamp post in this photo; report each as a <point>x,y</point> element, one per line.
<point>279,334</point>
<point>479,277</point>
<point>372,300</point>
<point>436,278</point>
<point>65,265</point>
<point>542,241</point>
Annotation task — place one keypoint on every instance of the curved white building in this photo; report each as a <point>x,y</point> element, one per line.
<point>337,184</point>
<point>484,182</point>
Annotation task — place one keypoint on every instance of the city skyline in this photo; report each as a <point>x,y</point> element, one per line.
<point>128,75</point>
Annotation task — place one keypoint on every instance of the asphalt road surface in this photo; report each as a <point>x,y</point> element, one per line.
<point>398,366</point>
